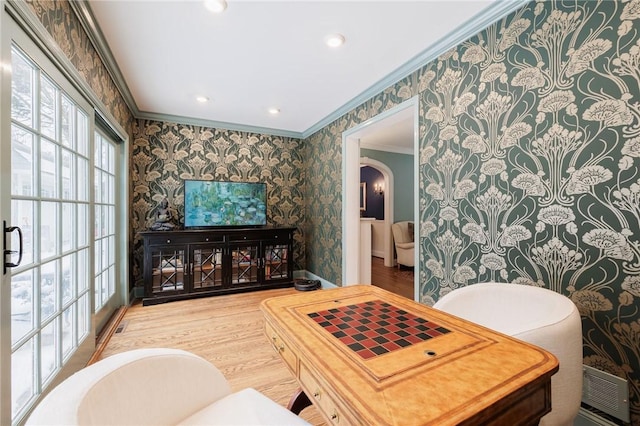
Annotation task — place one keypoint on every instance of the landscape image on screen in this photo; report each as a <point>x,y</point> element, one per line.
<point>213,203</point>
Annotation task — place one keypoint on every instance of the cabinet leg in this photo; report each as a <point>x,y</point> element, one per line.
<point>298,402</point>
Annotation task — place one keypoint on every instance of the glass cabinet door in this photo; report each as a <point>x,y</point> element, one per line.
<point>276,262</point>
<point>207,268</point>
<point>168,270</point>
<point>245,263</point>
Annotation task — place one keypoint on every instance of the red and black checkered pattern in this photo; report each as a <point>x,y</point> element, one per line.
<point>374,328</point>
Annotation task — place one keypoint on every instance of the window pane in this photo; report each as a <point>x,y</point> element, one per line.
<point>22,89</point>
<point>105,251</point>
<point>106,217</point>
<point>49,349</point>
<point>105,155</point>
<point>68,331</point>
<point>112,280</point>
<point>112,160</point>
<point>22,320</point>
<point>104,288</point>
<point>82,225</point>
<point>83,179</point>
<point>97,294</point>
<point>97,193</point>
<point>98,255</point>
<point>49,229</point>
<point>48,289</point>
<point>97,144</point>
<point>83,275</point>
<point>68,278</point>
<point>112,250</point>
<point>66,130</point>
<point>22,214</point>
<point>83,317</point>
<point>82,133</point>
<point>68,226</point>
<point>111,228</point>
<point>100,222</point>
<point>104,187</point>
<point>22,162</point>
<point>68,175</point>
<point>48,107</point>
<point>48,169</point>
<point>22,376</point>
<point>111,197</point>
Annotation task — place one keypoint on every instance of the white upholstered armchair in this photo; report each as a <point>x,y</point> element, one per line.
<point>156,387</point>
<point>535,315</point>
<point>403,240</point>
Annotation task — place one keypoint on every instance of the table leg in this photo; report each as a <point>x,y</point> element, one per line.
<point>298,402</point>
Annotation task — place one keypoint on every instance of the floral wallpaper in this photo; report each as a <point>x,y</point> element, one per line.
<point>529,152</point>
<point>164,154</point>
<point>529,168</point>
<point>529,155</point>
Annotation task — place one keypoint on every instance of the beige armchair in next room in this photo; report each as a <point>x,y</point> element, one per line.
<point>403,240</point>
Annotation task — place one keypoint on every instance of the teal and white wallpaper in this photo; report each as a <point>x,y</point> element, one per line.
<point>529,164</point>
<point>164,154</point>
<point>529,168</point>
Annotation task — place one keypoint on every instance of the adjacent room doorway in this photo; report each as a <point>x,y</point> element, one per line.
<point>351,144</point>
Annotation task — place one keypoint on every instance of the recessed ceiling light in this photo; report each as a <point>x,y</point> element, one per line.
<point>274,111</point>
<point>215,6</point>
<point>334,40</point>
<point>202,99</point>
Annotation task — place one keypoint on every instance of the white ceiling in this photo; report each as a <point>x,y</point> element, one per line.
<point>262,54</point>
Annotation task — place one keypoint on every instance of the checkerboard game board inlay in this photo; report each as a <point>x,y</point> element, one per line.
<point>374,328</point>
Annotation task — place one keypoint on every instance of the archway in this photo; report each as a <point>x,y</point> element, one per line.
<point>387,174</point>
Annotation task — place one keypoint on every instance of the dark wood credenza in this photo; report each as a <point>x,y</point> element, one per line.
<point>196,263</point>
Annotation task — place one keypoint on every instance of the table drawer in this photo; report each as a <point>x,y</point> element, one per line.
<point>282,347</point>
<point>323,398</point>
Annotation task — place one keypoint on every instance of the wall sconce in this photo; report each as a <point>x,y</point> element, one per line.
<point>378,188</point>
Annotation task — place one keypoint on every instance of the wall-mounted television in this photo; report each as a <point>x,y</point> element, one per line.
<point>210,204</point>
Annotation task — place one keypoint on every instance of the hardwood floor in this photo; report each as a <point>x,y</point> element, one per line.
<point>226,330</point>
<point>399,281</point>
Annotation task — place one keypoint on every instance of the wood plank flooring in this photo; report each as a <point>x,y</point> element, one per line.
<point>228,331</point>
<point>399,281</point>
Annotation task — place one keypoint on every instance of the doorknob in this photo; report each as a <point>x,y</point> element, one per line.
<point>5,251</point>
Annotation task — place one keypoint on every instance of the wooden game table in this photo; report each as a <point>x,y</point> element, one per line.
<point>365,356</point>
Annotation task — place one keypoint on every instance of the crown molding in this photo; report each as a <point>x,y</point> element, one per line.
<point>217,124</point>
<point>496,11</point>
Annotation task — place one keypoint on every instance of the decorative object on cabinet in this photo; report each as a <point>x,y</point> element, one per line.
<point>194,263</point>
<point>170,387</point>
<point>164,217</point>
